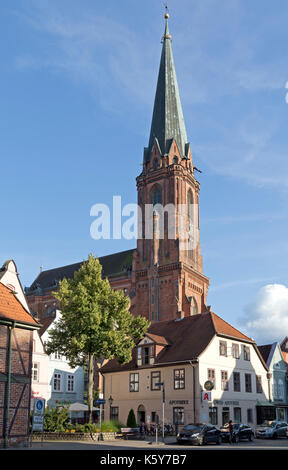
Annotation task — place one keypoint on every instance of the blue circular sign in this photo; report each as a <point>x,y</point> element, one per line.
<point>39,405</point>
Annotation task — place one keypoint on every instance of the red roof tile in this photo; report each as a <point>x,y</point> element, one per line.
<point>12,309</point>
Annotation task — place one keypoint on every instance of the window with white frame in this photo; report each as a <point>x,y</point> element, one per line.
<point>211,375</point>
<point>134,382</point>
<point>235,351</point>
<point>223,348</point>
<point>224,380</point>
<point>70,383</point>
<point>259,384</point>
<point>280,389</point>
<point>246,351</point>
<point>248,383</point>
<point>35,372</point>
<point>57,382</point>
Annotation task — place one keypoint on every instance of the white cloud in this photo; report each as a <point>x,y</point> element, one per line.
<point>266,317</point>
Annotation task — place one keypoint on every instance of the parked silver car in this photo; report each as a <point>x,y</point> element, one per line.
<point>272,429</point>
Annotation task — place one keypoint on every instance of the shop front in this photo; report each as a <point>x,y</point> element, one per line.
<point>239,411</point>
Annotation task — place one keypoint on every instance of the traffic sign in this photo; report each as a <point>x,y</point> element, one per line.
<point>38,415</point>
<point>99,401</point>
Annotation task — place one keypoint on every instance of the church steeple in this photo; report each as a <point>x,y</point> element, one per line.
<point>168,120</point>
<point>169,270</point>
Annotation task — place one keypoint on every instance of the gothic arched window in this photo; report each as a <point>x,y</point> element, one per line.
<point>194,306</point>
<point>156,197</point>
<point>190,206</point>
<point>156,164</point>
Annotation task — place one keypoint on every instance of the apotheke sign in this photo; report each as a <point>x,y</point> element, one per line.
<point>179,402</point>
<point>226,403</point>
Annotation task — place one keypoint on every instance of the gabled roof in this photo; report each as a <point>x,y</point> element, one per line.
<point>45,324</point>
<point>12,310</point>
<point>113,264</point>
<point>158,339</point>
<point>187,339</point>
<point>265,351</point>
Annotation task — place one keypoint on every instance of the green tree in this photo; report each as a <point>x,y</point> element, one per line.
<point>95,322</point>
<point>131,420</point>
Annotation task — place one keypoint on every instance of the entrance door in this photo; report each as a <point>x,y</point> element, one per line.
<point>141,414</point>
<point>225,415</point>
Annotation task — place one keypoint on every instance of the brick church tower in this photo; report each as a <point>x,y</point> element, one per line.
<point>169,278</point>
<point>163,277</point>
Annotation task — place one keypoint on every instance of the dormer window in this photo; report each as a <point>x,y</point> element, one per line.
<point>145,355</point>
<point>175,160</point>
<point>149,348</point>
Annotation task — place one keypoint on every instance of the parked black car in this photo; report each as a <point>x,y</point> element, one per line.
<point>241,431</point>
<point>199,434</point>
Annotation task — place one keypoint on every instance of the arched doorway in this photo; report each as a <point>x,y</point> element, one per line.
<point>141,414</point>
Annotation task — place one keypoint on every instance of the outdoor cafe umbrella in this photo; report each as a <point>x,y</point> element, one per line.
<point>79,408</point>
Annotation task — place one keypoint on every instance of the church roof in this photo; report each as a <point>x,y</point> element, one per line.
<point>168,120</point>
<point>112,265</point>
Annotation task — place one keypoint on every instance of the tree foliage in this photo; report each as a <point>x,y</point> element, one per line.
<point>95,321</point>
<point>131,420</point>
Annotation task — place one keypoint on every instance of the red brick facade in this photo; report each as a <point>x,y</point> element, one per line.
<point>20,388</point>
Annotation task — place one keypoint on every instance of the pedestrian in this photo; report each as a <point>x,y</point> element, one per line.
<point>231,430</point>
<point>142,430</point>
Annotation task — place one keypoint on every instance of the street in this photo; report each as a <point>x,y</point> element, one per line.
<point>258,444</point>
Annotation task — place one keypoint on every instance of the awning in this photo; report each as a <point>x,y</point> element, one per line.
<point>265,403</point>
<point>78,407</point>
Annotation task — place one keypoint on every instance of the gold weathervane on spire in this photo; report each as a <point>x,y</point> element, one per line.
<point>166,16</point>
<point>166,35</point>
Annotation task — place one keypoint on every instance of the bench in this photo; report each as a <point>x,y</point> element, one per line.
<point>126,432</point>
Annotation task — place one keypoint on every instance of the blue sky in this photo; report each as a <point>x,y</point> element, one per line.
<point>78,83</point>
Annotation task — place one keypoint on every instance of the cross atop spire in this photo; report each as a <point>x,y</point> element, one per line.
<point>166,33</point>
<point>168,120</point>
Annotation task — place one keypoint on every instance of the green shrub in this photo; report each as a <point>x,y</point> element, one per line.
<point>56,419</point>
<point>131,420</point>
<point>110,426</point>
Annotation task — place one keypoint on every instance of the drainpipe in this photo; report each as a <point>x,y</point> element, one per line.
<point>194,389</point>
<point>6,435</point>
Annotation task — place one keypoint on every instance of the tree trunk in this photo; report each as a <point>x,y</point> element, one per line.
<point>90,385</point>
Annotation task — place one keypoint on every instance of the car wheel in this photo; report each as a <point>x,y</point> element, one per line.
<point>274,436</point>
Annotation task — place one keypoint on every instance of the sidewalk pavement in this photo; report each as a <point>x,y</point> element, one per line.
<point>121,444</point>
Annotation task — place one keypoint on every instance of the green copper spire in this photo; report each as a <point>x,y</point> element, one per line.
<point>167,121</point>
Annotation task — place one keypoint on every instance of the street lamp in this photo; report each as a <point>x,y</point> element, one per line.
<point>110,399</point>
<point>162,384</point>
